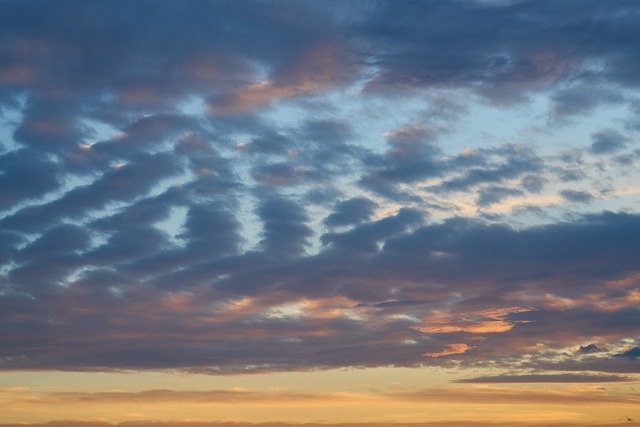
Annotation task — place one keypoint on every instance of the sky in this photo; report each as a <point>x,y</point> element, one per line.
<point>344,213</point>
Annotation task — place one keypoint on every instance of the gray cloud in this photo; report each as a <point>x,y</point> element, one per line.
<point>357,264</point>
<point>184,186</point>
<point>26,175</point>
<point>504,63</point>
<point>285,230</point>
<point>607,141</point>
<point>577,196</point>
<point>631,354</point>
<point>365,237</point>
<point>491,195</point>
<point>590,348</point>
<point>582,100</point>
<point>351,211</point>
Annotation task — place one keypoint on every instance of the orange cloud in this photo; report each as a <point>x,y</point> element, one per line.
<point>486,327</point>
<point>478,322</point>
<point>13,390</point>
<point>458,348</point>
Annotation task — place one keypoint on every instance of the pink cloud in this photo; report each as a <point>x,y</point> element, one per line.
<point>477,322</point>
<point>449,349</point>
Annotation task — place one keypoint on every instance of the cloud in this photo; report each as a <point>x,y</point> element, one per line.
<point>607,141</point>
<point>121,182</point>
<point>37,176</point>
<point>631,354</point>
<point>350,212</point>
<point>398,303</point>
<point>492,195</point>
<point>210,229</point>
<point>127,245</point>
<point>349,287</point>
<point>514,57</point>
<point>504,64</point>
<point>480,322</point>
<point>493,166</point>
<point>278,174</point>
<point>13,390</point>
<point>547,378</point>
<point>146,132</point>
<point>365,237</point>
<point>208,397</point>
<point>47,130</point>
<point>318,67</point>
<point>577,196</point>
<point>578,100</point>
<point>330,182</point>
<point>474,394</point>
<point>285,232</point>
<point>591,348</point>
<point>488,394</point>
<point>534,183</point>
<point>449,349</point>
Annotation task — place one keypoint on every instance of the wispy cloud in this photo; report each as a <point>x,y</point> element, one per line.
<point>548,378</point>
<point>488,395</point>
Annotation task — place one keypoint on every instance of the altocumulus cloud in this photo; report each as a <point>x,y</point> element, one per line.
<point>217,187</point>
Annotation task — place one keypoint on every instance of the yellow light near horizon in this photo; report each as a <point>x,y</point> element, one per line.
<point>389,395</point>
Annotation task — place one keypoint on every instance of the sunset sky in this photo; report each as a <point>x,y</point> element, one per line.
<point>322,211</point>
